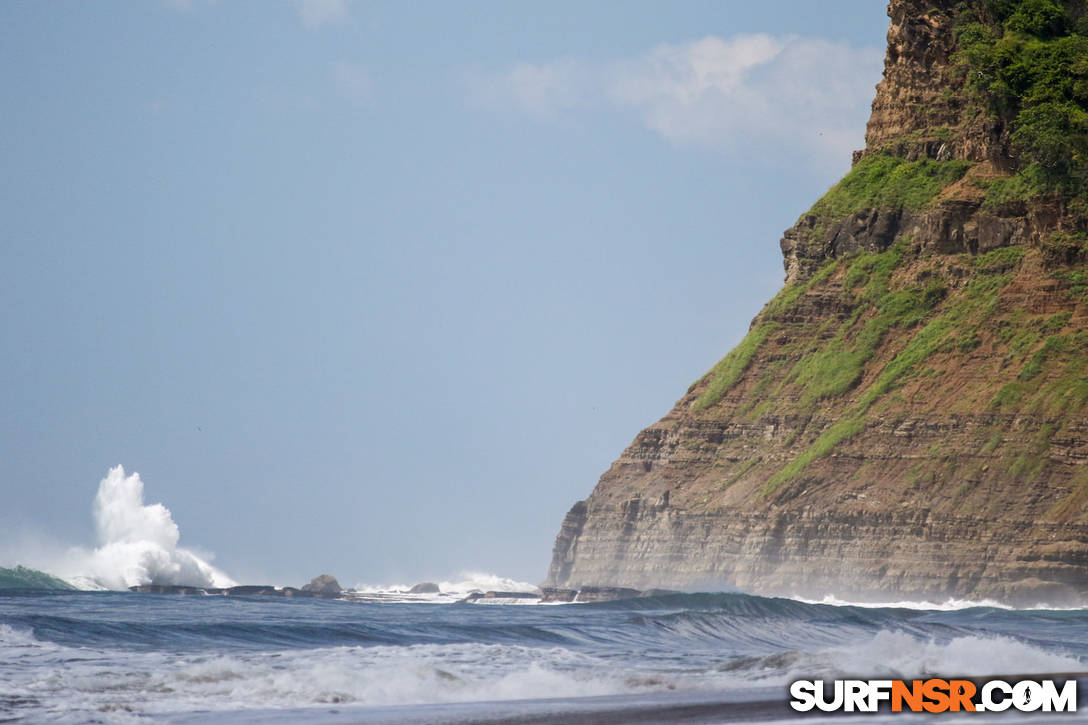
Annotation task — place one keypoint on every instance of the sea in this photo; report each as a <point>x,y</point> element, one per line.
<point>385,656</point>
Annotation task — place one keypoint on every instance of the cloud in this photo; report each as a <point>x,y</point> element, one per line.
<point>319,13</point>
<point>727,94</point>
<point>353,81</point>
<point>730,93</point>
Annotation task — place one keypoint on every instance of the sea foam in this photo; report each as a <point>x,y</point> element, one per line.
<point>450,590</point>
<point>118,686</point>
<point>900,655</point>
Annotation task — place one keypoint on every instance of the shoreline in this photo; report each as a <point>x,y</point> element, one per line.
<point>769,704</point>
<point>670,707</point>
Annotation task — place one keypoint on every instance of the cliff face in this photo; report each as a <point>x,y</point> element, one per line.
<point>907,417</point>
<point>914,113</point>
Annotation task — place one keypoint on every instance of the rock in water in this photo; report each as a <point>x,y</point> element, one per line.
<point>908,417</point>
<point>324,584</point>
<point>425,588</point>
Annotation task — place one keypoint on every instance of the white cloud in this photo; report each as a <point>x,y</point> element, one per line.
<point>722,93</point>
<point>731,93</point>
<point>681,75</point>
<point>319,13</point>
<point>352,81</point>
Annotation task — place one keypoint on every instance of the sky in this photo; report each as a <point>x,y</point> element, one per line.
<point>381,289</point>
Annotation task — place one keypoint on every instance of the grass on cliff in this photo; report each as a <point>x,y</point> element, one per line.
<point>944,323</point>
<point>838,366</point>
<point>1029,182</point>
<point>729,370</point>
<point>914,314</point>
<point>822,446</point>
<point>1045,354</point>
<point>1075,501</point>
<point>1053,377</point>
<point>880,181</point>
<point>732,366</point>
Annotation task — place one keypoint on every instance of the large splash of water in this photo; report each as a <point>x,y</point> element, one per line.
<point>137,543</point>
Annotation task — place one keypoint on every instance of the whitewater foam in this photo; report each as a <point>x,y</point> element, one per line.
<point>449,591</point>
<point>154,683</point>
<point>948,605</point>
<point>80,655</point>
<point>11,637</point>
<point>898,654</point>
<point>137,543</point>
<point>150,683</point>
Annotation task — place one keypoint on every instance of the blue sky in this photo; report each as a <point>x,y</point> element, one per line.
<point>382,288</point>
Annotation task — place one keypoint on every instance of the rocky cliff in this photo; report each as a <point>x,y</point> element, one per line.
<point>906,418</point>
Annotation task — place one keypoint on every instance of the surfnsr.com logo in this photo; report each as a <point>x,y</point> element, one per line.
<point>934,695</point>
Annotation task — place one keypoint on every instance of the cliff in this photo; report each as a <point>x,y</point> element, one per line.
<point>906,418</point>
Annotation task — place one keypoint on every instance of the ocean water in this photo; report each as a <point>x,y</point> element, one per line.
<point>127,657</point>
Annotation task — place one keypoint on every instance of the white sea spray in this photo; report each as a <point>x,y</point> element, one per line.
<point>137,543</point>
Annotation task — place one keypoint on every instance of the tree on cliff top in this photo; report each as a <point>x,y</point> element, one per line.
<point>1027,65</point>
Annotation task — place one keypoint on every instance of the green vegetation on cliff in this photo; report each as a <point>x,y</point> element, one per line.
<point>734,364</point>
<point>838,366</point>
<point>855,339</point>
<point>907,320</point>
<point>880,181</point>
<point>726,372</point>
<point>927,321</point>
<point>1027,63</point>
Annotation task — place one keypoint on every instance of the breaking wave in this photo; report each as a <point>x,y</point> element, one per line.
<point>449,590</point>
<point>137,543</point>
<point>86,654</point>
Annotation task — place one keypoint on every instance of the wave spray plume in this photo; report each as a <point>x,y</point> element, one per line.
<point>138,543</point>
